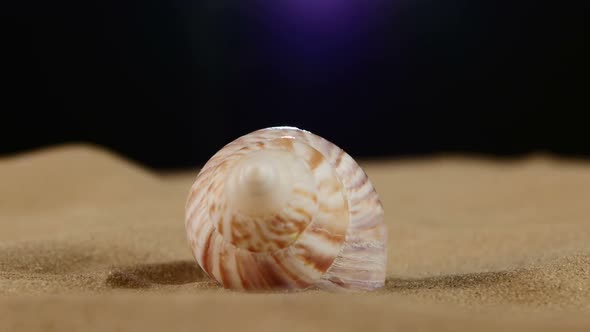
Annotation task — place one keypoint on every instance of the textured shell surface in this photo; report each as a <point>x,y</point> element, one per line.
<point>281,208</point>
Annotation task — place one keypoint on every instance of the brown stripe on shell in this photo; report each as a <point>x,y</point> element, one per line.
<point>195,202</point>
<point>259,231</point>
<point>315,160</point>
<point>225,223</point>
<point>212,208</point>
<point>266,242</point>
<point>215,186</point>
<point>330,236</point>
<point>275,226</point>
<point>206,257</point>
<point>362,200</point>
<point>193,243</point>
<point>271,273</point>
<point>195,221</point>
<point>223,166</point>
<point>236,228</point>
<point>275,230</point>
<point>262,233</point>
<point>224,274</point>
<point>192,212</point>
<point>309,195</point>
<point>292,276</point>
<point>220,229</point>
<point>238,233</point>
<point>337,281</point>
<point>192,195</point>
<point>328,149</point>
<point>360,194</point>
<point>317,261</point>
<point>194,206</point>
<point>197,227</point>
<point>346,169</point>
<point>243,276</point>
<point>252,271</point>
<point>339,158</point>
<point>281,226</point>
<point>281,244</point>
<point>285,143</point>
<point>330,186</point>
<point>303,213</point>
<point>360,182</point>
<point>299,226</point>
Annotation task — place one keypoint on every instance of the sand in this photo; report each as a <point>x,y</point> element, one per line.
<point>90,241</point>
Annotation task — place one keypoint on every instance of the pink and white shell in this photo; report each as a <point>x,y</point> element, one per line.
<point>319,225</point>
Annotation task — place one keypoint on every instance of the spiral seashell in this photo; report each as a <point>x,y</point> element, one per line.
<point>284,209</point>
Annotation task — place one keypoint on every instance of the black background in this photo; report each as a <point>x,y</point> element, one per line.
<point>167,83</point>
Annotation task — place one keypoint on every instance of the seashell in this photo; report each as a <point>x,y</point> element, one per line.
<point>284,209</point>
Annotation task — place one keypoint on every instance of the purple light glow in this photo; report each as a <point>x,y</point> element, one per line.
<point>319,37</point>
<point>327,11</point>
<point>324,14</point>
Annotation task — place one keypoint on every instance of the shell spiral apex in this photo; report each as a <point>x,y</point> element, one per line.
<point>281,208</point>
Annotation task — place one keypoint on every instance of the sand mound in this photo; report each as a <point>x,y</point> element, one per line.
<point>561,283</point>
<point>90,241</point>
